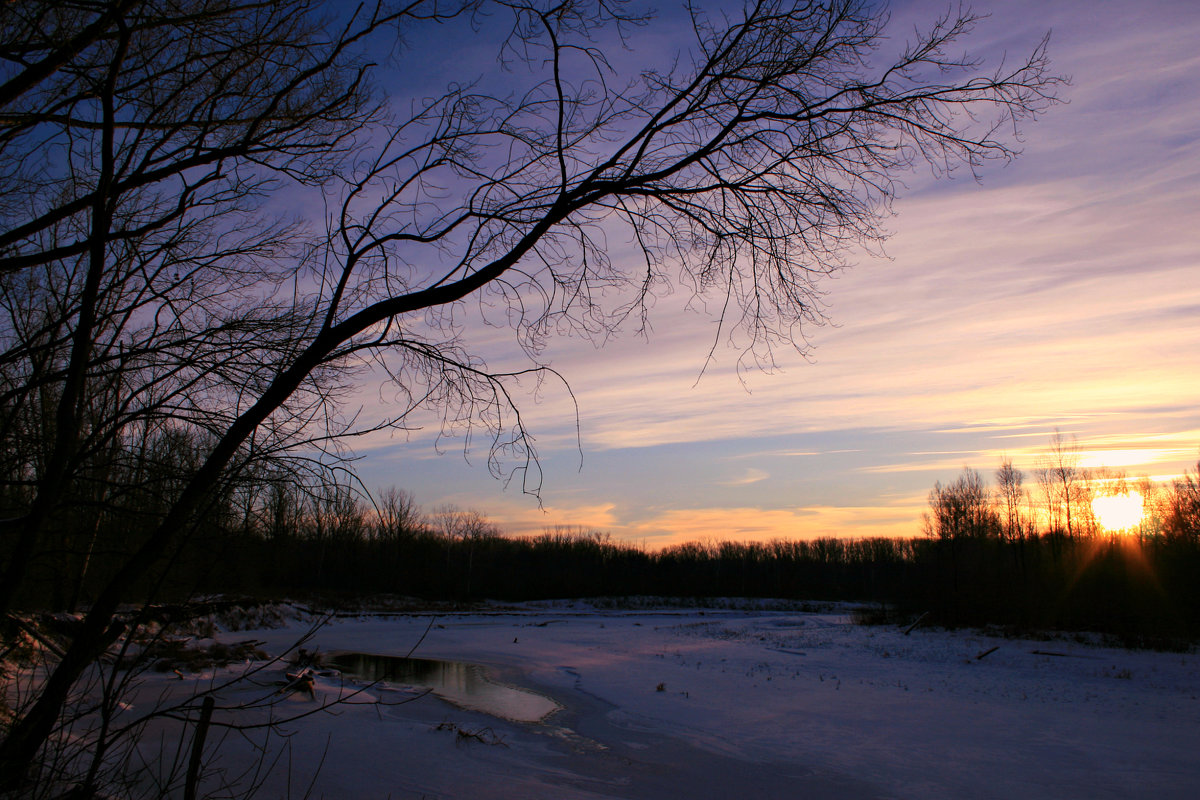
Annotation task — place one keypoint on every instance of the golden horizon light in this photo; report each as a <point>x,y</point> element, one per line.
<point>1118,512</point>
<point>1128,457</point>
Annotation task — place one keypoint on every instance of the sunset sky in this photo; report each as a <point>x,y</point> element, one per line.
<point>1062,292</point>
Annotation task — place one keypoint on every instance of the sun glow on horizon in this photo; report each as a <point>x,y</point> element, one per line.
<point>1118,512</point>
<point>1128,457</point>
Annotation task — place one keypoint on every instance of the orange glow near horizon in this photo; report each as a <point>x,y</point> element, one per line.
<point>1127,457</point>
<point>1118,512</point>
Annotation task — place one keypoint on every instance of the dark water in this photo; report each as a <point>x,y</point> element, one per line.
<point>464,685</point>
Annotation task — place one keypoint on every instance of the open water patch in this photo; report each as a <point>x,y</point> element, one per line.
<point>464,685</point>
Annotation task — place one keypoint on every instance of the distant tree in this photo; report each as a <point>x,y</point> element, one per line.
<point>1156,499</point>
<point>141,139</point>
<point>1182,517</point>
<point>335,514</point>
<point>397,515</point>
<point>1011,494</point>
<point>579,536</point>
<point>457,525</point>
<point>962,510</point>
<point>282,511</point>
<point>463,531</point>
<point>1067,487</point>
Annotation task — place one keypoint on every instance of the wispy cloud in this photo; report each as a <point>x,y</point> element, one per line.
<point>755,524</point>
<point>747,477</point>
<point>1062,293</point>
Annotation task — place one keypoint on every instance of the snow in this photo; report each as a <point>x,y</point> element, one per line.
<point>670,703</point>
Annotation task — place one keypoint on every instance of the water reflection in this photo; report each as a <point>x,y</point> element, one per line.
<point>464,685</point>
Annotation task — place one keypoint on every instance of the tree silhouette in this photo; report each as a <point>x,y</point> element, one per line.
<point>1067,486</point>
<point>140,140</point>
<point>1182,517</point>
<point>962,510</point>
<point>1010,492</point>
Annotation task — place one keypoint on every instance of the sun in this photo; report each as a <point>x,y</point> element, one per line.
<point>1118,512</point>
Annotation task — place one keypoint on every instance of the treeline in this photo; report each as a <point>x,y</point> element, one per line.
<point>1143,588</point>
<point>1059,503</point>
<point>1037,555</point>
<point>989,556</point>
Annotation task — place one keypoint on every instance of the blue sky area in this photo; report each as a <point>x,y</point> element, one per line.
<point>1061,292</point>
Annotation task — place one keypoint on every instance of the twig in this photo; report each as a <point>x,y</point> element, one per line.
<point>417,644</point>
<point>987,653</point>
<point>1059,655</point>
<point>461,734</point>
<point>918,621</point>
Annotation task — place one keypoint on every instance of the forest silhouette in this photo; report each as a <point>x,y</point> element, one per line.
<point>987,556</point>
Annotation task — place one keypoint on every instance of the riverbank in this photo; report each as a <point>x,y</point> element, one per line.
<point>720,703</point>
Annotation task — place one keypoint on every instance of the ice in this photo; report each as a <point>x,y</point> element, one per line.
<point>670,703</point>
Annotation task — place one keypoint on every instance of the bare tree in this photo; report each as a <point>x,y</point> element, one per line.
<point>961,510</point>
<point>463,531</point>
<point>1052,510</point>
<point>455,525</point>
<point>744,170</point>
<point>1011,493</point>
<point>1182,516</point>
<point>397,515</point>
<point>1067,486</point>
<point>137,141</point>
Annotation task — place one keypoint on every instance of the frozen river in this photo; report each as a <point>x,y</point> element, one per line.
<point>664,703</point>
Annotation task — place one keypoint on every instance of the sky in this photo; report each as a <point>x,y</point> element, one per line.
<point>1061,292</point>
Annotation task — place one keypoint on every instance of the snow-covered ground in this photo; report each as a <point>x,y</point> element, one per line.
<point>745,704</point>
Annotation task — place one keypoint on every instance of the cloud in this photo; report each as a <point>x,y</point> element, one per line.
<point>1062,286</point>
<point>748,477</point>
<point>522,519</point>
<point>934,465</point>
<point>675,526</point>
<point>1060,293</point>
<point>1129,457</point>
